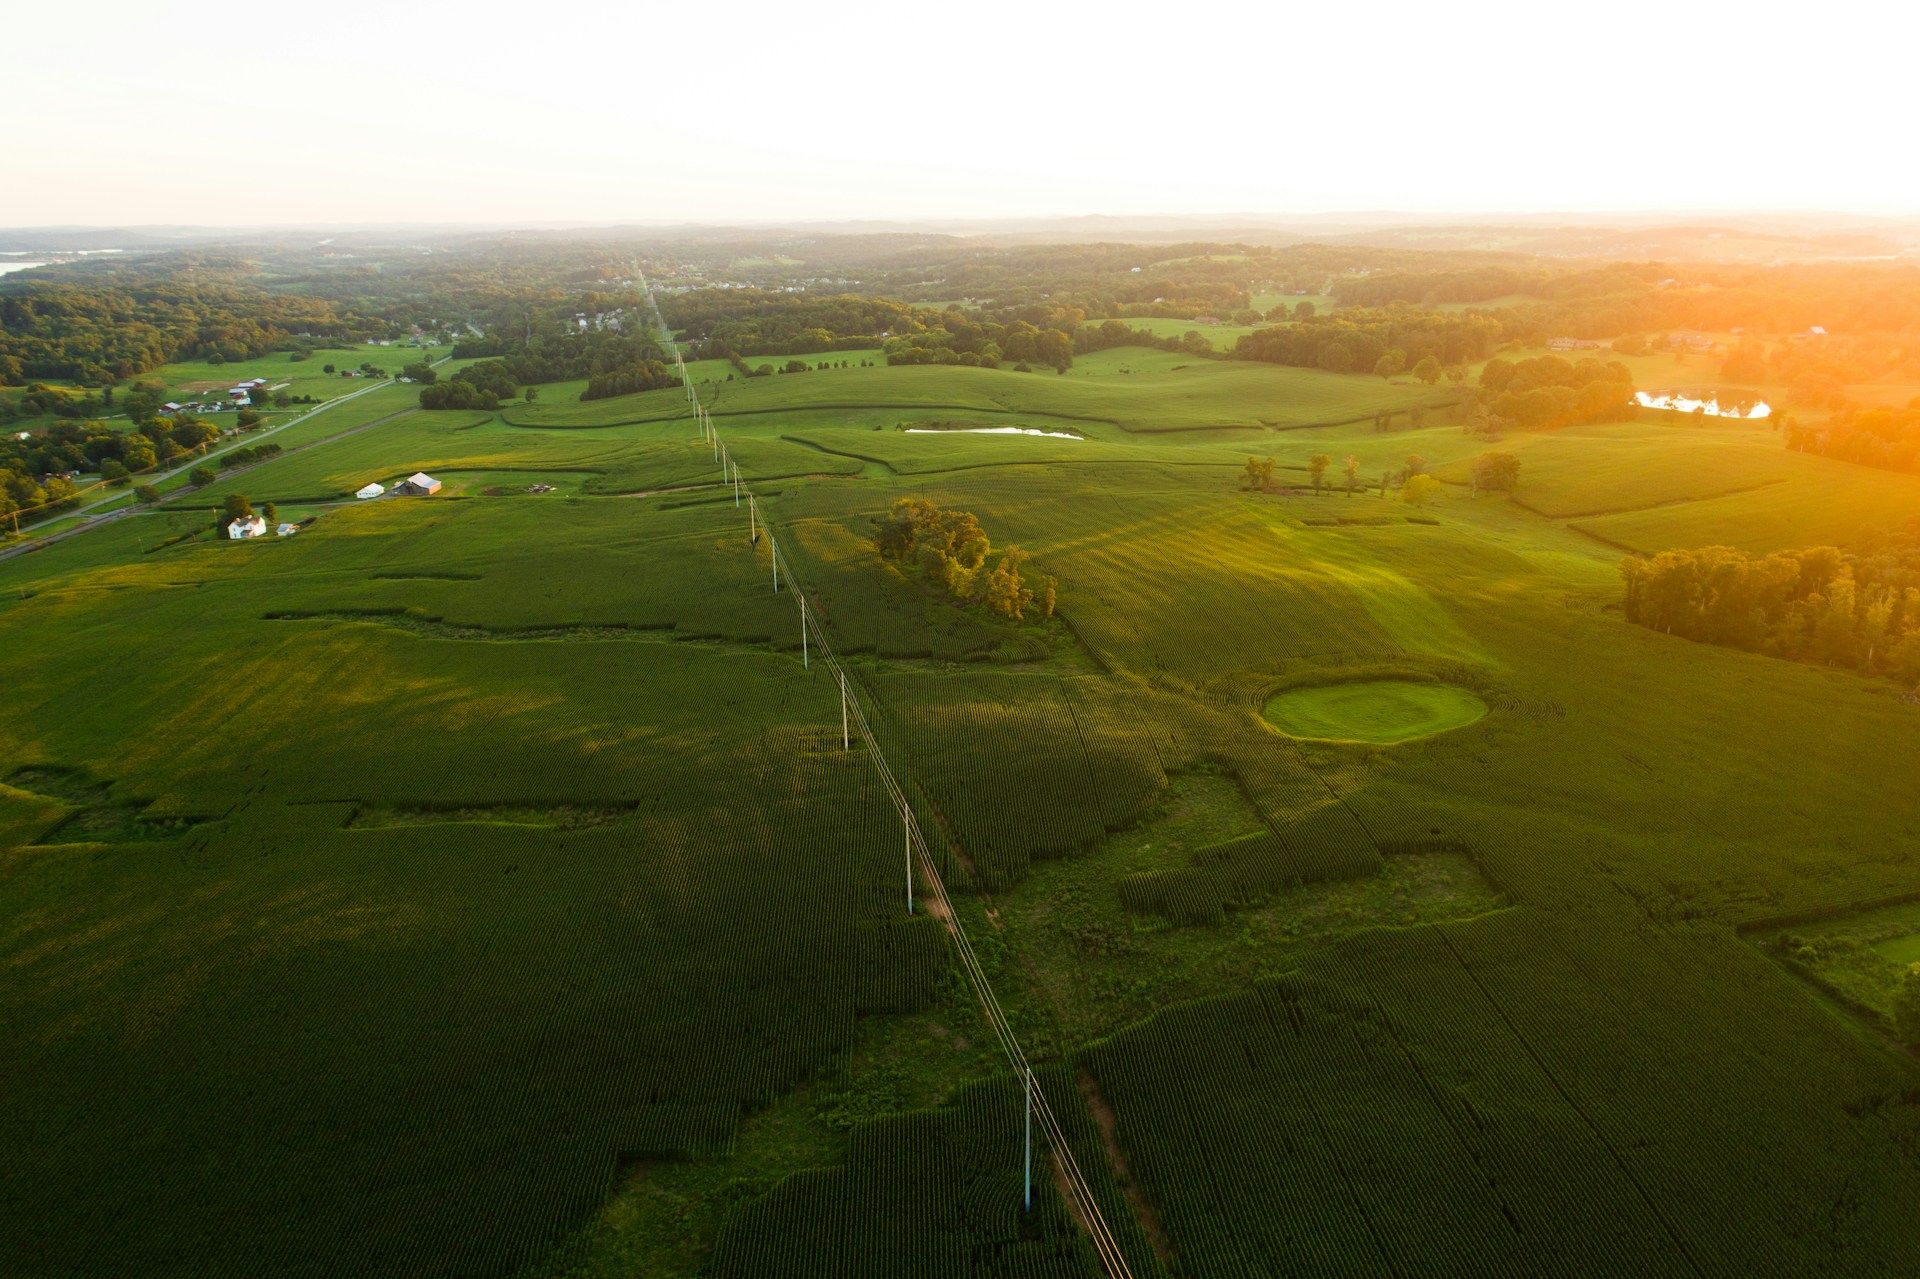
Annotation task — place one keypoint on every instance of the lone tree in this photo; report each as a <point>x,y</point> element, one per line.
<point>1317,467</point>
<point>1391,364</point>
<point>236,507</point>
<point>201,476</point>
<point>1495,473</point>
<point>1259,474</point>
<point>1428,370</point>
<point>1353,474</point>
<point>1419,490</point>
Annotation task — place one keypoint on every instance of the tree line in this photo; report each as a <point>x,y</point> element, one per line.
<point>1856,610</point>
<point>1355,340</point>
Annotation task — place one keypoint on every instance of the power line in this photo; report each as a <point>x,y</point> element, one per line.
<point>1078,1190</point>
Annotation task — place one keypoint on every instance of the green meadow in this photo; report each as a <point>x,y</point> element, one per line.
<point>478,884</point>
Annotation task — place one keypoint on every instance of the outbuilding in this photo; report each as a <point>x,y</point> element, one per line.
<point>419,484</point>
<point>286,530</point>
<point>371,490</point>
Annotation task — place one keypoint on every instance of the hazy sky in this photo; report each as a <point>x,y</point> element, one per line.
<point>226,113</point>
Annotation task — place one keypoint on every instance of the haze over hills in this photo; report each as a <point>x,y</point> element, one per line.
<point>1652,235</point>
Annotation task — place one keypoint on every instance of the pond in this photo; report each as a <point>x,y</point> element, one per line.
<point>1677,402</point>
<point>993,430</point>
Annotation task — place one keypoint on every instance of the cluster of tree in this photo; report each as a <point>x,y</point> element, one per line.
<point>723,322</point>
<point>118,324</point>
<point>478,386</point>
<point>1548,391</point>
<point>1858,610</point>
<point>41,400</point>
<point>35,472</point>
<point>648,375</point>
<point>247,456</point>
<point>560,352</point>
<point>1888,438</point>
<point>1356,340</point>
<point>950,549</point>
<point>954,336</point>
<point>1495,473</point>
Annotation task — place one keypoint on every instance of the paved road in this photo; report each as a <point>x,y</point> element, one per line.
<point>253,441</point>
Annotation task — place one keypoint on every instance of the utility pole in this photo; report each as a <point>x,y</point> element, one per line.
<point>906,822</point>
<point>1027,1180</point>
<point>844,742</point>
<point>804,663</point>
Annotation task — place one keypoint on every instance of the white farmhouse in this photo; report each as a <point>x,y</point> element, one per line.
<point>250,526</point>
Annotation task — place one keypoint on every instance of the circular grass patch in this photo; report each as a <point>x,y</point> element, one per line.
<point>1381,711</point>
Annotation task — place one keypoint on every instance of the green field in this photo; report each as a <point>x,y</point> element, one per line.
<point>477,884</point>
<point>1376,711</point>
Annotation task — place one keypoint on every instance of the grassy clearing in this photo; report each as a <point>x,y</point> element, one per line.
<point>1377,711</point>
<point>1140,391</point>
<point>200,379</point>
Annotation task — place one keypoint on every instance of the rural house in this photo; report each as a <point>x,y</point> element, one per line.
<point>419,484</point>
<point>249,526</point>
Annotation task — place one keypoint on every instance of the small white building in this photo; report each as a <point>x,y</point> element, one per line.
<point>371,490</point>
<point>172,406</point>
<point>251,526</point>
<point>286,530</point>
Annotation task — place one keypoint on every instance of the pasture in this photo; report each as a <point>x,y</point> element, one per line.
<point>477,884</point>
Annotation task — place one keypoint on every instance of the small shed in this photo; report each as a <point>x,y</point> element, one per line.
<point>419,484</point>
<point>286,530</point>
<point>371,490</point>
